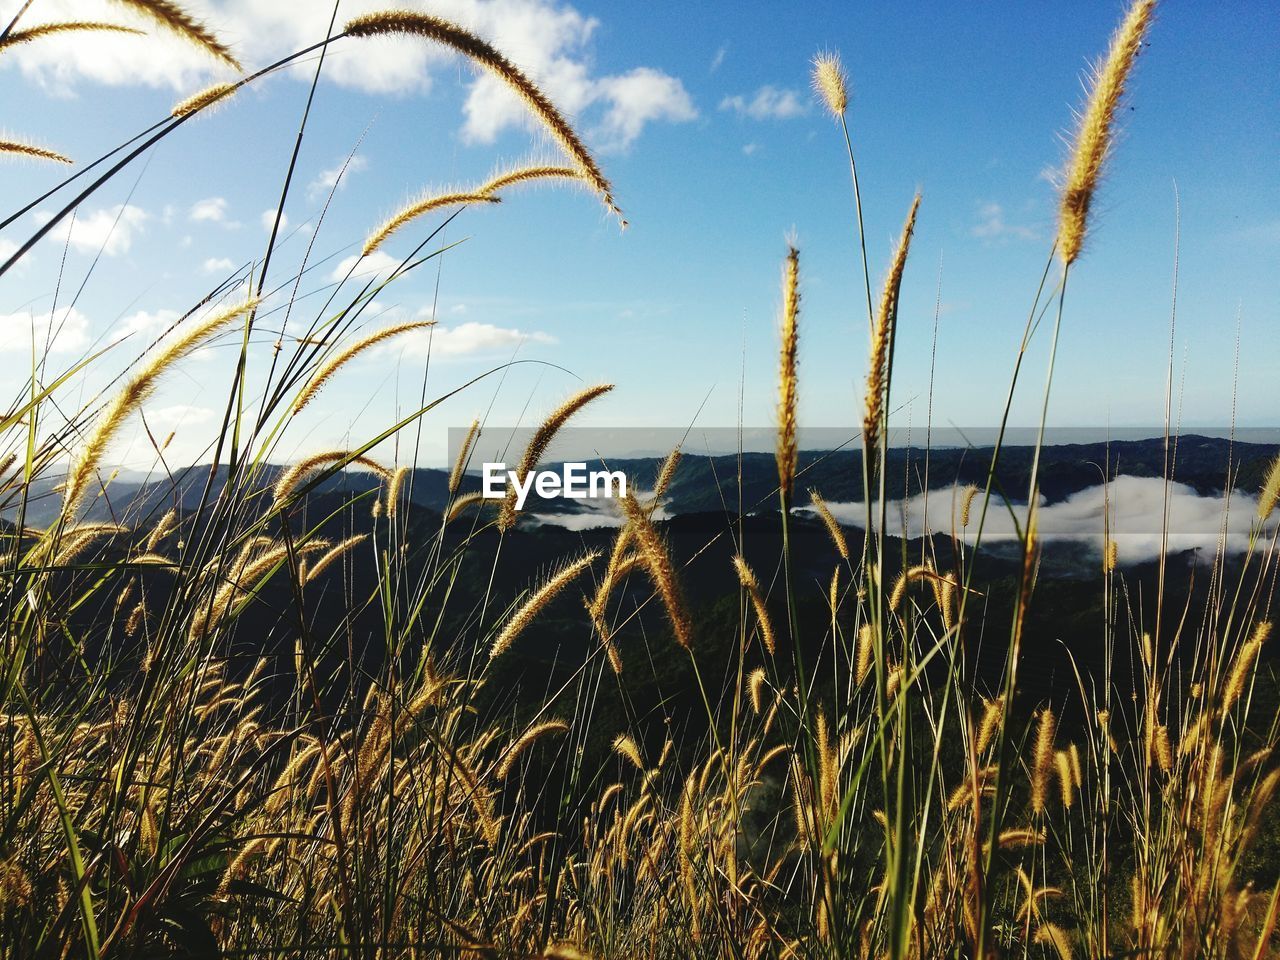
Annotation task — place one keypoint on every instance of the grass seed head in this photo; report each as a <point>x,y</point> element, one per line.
<point>1095,132</point>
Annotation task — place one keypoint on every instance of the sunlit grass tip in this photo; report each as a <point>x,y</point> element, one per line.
<point>541,440</point>
<point>348,353</point>
<point>30,34</point>
<point>1270,494</point>
<point>203,99</point>
<point>16,148</point>
<point>831,83</point>
<point>176,20</point>
<point>464,454</point>
<point>486,56</point>
<point>134,392</point>
<point>537,601</point>
<point>420,208</point>
<point>1095,132</point>
<point>290,478</point>
<point>788,382</point>
<point>882,335</point>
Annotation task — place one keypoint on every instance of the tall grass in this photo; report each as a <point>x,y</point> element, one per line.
<point>352,781</point>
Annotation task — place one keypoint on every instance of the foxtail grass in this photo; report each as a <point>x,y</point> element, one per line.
<point>420,208</point>
<point>203,99</point>
<point>15,148</point>
<point>1096,130</point>
<point>18,37</point>
<point>788,390</point>
<point>541,441</point>
<point>134,393</point>
<point>486,56</point>
<point>173,18</point>
<point>348,353</point>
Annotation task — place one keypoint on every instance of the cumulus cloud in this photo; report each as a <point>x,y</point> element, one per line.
<point>209,210</point>
<point>217,265</point>
<point>179,415</point>
<point>1196,522</point>
<point>330,177</point>
<point>992,225</point>
<point>767,103</point>
<point>550,40</point>
<point>376,262</point>
<point>145,324</point>
<point>66,330</point>
<point>471,337</point>
<point>110,230</point>
<point>638,98</point>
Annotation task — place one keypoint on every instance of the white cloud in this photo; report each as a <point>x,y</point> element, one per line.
<point>1137,505</point>
<point>7,249</point>
<point>157,59</point>
<point>217,265</point>
<point>718,59</point>
<point>327,179</point>
<point>592,514</point>
<point>211,210</point>
<point>179,414</point>
<point>638,98</point>
<point>767,103</point>
<point>750,148</point>
<point>471,338</point>
<point>992,225</point>
<point>548,39</point>
<point>376,262</point>
<point>110,229</point>
<point>65,331</point>
<point>145,325</point>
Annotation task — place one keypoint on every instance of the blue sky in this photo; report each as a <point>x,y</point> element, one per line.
<point>702,117</point>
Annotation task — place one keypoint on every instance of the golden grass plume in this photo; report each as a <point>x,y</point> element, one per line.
<point>829,521</point>
<point>1095,131</point>
<point>537,601</point>
<point>18,149</point>
<point>626,747</point>
<point>661,572</point>
<point>464,453</point>
<point>19,37</point>
<point>202,99</point>
<point>666,473</point>
<point>865,653</point>
<point>134,392</point>
<point>525,741</point>
<point>1242,670</point>
<point>290,479</point>
<point>173,18</point>
<point>463,503</point>
<point>882,336</point>
<point>1042,762</point>
<point>1270,494</point>
<point>489,58</point>
<point>967,496</point>
<point>332,365</point>
<point>747,577</point>
<point>420,208</point>
<point>831,83</point>
<point>788,384</point>
<point>541,440</point>
<point>394,489</point>
<point>531,173</point>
